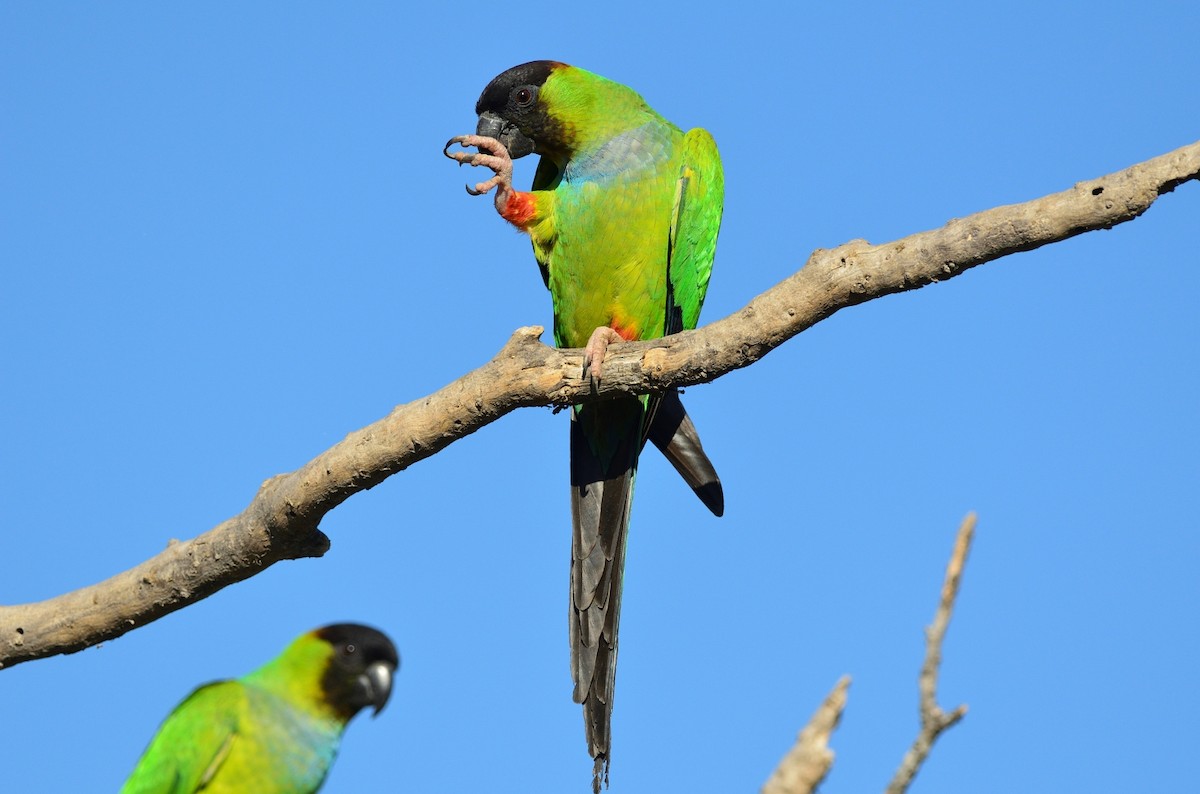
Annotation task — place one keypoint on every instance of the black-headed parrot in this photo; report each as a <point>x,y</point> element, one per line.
<point>623,216</point>
<point>275,730</point>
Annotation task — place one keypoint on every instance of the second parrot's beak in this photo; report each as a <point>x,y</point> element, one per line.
<point>506,132</point>
<point>376,680</point>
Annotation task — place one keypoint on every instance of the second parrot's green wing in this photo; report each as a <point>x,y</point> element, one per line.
<point>699,197</point>
<point>192,744</point>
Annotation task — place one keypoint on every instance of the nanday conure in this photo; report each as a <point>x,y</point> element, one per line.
<point>623,216</point>
<point>275,730</point>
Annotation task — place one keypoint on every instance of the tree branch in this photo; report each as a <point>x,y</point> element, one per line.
<point>281,522</point>
<point>933,719</point>
<point>809,760</point>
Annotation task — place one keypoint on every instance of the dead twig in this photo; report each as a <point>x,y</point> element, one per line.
<point>933,719</point>
<point>809,760</point>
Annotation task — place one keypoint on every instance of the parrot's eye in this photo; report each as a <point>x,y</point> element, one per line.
<point>350,648</point>
<point>524,97</point>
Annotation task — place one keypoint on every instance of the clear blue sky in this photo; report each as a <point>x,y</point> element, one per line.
<point>229,238</point>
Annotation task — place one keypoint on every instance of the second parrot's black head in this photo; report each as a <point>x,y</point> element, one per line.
<point>510,110</point>
<point>361,666</point>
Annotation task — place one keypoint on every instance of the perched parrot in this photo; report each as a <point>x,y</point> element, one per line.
<point>623,216</point>
<point>276,730</point>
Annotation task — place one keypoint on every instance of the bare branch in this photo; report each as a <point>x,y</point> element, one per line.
<point>281,522</point>
<point>933,719</point>
<point>809,760</point>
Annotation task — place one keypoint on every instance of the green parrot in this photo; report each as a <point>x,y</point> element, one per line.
<point>623,216</point>
<point>276,730</point>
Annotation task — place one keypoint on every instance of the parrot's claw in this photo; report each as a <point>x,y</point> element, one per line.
<point>486,187</point>
<point>490,150</point>
<point>597,349</point>
<point>491,154</point>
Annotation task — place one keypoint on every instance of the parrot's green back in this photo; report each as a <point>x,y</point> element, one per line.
<point>623,216</point>
<point>273,731</point>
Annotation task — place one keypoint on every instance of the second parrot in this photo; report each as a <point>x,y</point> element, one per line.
<point>276,730</point>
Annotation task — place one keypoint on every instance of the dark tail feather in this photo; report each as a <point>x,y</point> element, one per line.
<point>673,433</point>
<point>601,494</point>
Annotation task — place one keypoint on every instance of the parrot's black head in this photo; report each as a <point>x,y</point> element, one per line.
<point>361,666</point>
<point>511,110</point>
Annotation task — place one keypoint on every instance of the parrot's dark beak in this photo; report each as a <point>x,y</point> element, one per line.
<point>506,132</point>
<point>376,682</point>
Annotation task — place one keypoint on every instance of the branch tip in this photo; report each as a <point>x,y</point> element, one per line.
<point>809,760</point>
<point>933,719</point>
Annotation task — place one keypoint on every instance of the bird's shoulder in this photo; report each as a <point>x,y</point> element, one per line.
<point>640,152</point>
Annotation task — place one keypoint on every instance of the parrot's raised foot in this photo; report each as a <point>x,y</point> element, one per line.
<point>491,154</point>
<point>597,349</point>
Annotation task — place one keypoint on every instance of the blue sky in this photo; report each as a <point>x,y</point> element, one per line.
<point>229,238</point>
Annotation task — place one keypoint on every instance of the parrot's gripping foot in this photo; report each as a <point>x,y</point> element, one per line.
<point>597,349</point>
<point>491,154</point>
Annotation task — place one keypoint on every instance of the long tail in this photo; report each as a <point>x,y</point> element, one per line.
<point>605,440</point>
<point>672,431</point>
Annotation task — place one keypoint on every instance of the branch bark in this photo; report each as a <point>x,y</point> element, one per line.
<point>933,720</point>
<point>281,521</point>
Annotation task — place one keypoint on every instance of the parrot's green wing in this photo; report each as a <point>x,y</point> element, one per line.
<point>699,197</point>
<point>192,743</point>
